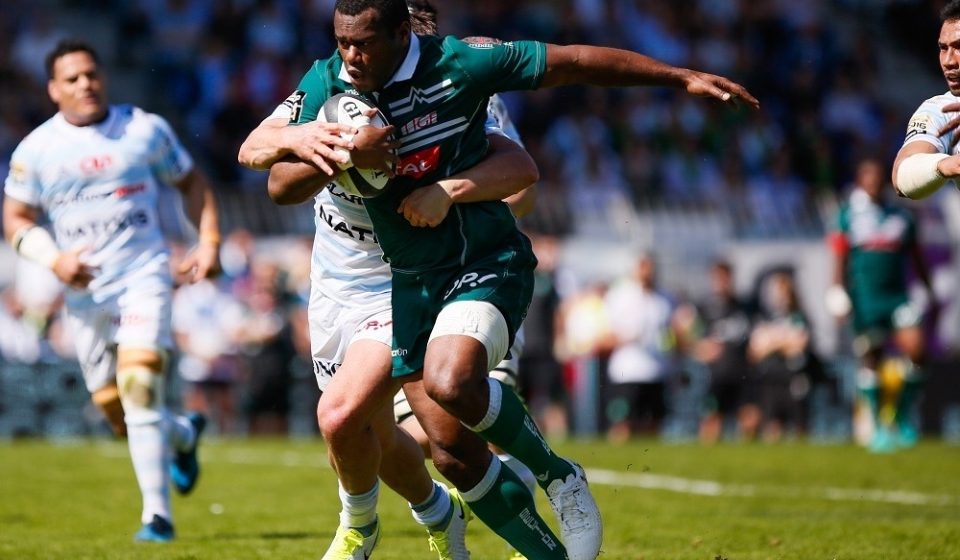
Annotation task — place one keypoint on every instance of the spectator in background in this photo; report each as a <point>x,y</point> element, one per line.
<point>267,350</point>
<point>206,325</point>
<point>641,323</point>
<point>726,322</point>
<point>541,377</point>
<point>780,350</point>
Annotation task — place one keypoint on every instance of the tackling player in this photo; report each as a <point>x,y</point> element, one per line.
<point>874,244</point>
<point>460,289</point>
<point>95,170</point>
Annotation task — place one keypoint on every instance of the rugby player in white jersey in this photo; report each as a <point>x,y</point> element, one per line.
<point>350,332</point>
<point>929,156</point>
<point>95,170</point>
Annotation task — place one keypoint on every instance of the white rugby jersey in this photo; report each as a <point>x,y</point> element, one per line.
<point>927,121</point>
<point>99,186</point>
<point>347,264</point>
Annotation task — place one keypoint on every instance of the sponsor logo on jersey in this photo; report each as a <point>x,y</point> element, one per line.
<point>418,164</point>
<point>294,104</point>
<point>432,134</point>
<point>470,280</point>
<point>427,95</point>
<point>419,123</point>
<point>399,352</point>
<point>18,172</point>
<point>91,165</point>
<point>135,219</point>
<point>483,42</point>
<point>338,224</point>
<point>337,191</point>
<point>127,190</point>
<point>919,124</point>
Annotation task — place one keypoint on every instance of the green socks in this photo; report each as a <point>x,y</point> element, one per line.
<point>505,505</point>
<point>509,426</point>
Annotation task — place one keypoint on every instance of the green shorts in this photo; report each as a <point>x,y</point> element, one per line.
<point>503,278</point>
<point>874,323</point>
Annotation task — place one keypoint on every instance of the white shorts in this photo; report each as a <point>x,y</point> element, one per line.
<point>138,318</point>
<point>334,327</point>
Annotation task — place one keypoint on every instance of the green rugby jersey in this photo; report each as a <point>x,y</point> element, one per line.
<point>878,237</point>
<point>437,100</point>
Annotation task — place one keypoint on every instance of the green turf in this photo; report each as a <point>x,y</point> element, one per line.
<point>276,499</point>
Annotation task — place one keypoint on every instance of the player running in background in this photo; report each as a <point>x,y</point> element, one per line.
<point>95,170</point>
<point>350,324</point>
<point>874,244</point>
<point>460,289</point>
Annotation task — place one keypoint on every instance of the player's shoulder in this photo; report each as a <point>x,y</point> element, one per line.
<point>936,102</point>
<point>40,138</point>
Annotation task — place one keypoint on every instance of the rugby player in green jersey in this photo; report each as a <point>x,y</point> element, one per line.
<point>874,245</point>
<point>461,287</point>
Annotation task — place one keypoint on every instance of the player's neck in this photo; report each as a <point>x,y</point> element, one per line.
<point>79,121</point>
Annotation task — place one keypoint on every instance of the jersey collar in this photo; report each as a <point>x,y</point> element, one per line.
<point>406,70</point>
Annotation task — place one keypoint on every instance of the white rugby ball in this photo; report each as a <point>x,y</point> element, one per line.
<point>346,108</point>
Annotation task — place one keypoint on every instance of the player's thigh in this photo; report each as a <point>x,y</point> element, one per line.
<point>93,332</point>
<point>334,326</point>
<point>144,332</point>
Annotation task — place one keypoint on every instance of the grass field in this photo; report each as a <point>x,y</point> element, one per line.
<point>277,499</point>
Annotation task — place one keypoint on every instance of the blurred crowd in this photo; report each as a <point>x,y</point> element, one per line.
<point>215,68</point>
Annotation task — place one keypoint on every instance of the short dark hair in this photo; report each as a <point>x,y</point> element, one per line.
<point>423,17</point>
<point>392,12</point>
<point>65,47</point>
<point>951,11</point>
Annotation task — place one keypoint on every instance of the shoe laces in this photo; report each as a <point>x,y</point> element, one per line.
<point>569,503</point>
<point>440,544</point>
<point>347,541</point>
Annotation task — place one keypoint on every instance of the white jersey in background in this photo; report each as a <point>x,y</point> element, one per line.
<point>928,120</point>
<point>99,186</point>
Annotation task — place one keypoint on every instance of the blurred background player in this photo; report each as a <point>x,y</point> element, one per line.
<point>874,245</point>
<point>95,170</point>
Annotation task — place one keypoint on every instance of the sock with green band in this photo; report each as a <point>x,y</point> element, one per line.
<point>509,426</point>
<point>505,505</point>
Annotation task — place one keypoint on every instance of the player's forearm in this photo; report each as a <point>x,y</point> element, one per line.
<point>507,170</point>
<point>201,206</point>
<point>263,147</point>
<point>292,181</point>
<point>601,66</point>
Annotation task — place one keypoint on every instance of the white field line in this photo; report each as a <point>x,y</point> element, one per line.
<point>605,477</point>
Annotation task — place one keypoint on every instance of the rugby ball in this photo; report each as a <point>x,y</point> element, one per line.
<point>346,108</point>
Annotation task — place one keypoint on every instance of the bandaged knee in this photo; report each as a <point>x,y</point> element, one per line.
<point>479,320</point>
<point>141,392</point>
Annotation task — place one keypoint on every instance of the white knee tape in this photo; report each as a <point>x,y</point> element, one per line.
<point>478,320</point>
<point>141,393</point>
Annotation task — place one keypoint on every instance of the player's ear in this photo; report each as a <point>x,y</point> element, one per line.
<point>403,33</point>
<point>53,92</point>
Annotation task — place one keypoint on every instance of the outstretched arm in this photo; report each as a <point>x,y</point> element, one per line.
<point>506,171</point>
<point>601,66</point>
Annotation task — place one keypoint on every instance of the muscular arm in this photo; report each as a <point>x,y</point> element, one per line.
<point>313,142</point>
<point>600,66</point>
<point>919,181</point>
<point>507,170</point>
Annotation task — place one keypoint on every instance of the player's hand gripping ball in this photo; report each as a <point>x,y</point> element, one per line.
<point>351,109</point>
